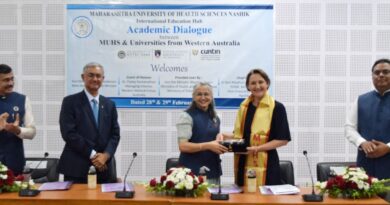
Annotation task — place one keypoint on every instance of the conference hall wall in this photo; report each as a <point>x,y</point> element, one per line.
<point>323,51</point>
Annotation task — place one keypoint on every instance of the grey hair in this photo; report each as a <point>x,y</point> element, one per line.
<point>93,65</point>
<point>200,84</point>
<point>211,110</point>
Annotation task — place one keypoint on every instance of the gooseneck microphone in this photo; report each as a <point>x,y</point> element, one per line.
<point>124,193</point>
<point>313,197</point>
<point>219,195</point>
<point>32,192</point>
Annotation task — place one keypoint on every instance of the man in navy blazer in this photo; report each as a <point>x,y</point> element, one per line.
<point>90,129</point>
<point>16,122</point>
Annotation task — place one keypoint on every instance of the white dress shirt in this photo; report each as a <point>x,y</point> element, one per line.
<point>350,127</point>
<point>28,131</point>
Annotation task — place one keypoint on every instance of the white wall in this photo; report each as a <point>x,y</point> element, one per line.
<point>323,54</point>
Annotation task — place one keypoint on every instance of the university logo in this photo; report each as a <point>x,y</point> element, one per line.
<point>121,54</point>
<point>195,52</point>
<point>82,27</point>
<point>157,53</point>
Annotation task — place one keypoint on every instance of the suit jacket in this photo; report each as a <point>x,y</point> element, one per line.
<point>81,135</point>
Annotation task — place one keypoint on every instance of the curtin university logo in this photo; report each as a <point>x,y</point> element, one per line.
<point>82,27</point>
<point>195,52</point>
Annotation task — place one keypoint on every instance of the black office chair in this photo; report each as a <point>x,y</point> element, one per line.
<point>386,195</point>
<point>42,175</point>
<point>286,172</point>
<point>171,162</point>
<point>323,169</point>
<point>286,169</point>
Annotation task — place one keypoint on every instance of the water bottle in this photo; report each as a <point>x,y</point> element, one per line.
<point>251,180</point>
<point>26,173</point>
<point>92,179</point>
<point>202,172</point>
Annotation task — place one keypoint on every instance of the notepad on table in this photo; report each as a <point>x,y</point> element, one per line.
<point>226,189</point>
<point>50,186</point>
<point>279,189</point>
<point>113,187</point>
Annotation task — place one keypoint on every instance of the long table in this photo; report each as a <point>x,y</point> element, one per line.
<point>80,194</point>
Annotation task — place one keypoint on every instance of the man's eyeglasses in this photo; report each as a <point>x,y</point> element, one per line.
<point>93,75</point>
<point>378,72</point>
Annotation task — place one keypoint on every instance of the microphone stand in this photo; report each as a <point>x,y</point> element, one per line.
<point>32,192</point>
<point>313,197</point>
<point>124,193</point>
<point>219,195</point>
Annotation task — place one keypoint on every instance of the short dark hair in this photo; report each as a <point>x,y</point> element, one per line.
<point>380,61</point>
<point>5,69</point>
<point>261,73</point>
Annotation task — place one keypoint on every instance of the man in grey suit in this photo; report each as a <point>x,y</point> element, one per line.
<point>90,129</point>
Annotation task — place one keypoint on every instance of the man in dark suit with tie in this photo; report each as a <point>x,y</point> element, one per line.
<point>90,129</point>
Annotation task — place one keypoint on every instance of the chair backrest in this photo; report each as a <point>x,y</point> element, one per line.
<point>286,172</point>
<point>47,174</point>
<point>286,169</point>
<point>171,162</point>
<point>323,169</point>
<point>386,195</point>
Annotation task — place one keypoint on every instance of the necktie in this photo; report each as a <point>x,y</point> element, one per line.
<point>95,109</point>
